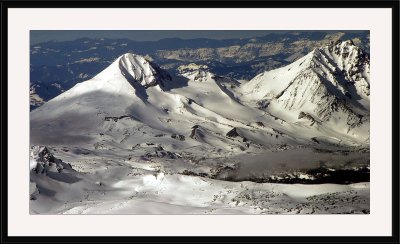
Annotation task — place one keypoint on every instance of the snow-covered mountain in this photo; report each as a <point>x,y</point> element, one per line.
<point>323,96</point>
<point>135,130</point>
<point>57,66</point>
<point>330,86</point>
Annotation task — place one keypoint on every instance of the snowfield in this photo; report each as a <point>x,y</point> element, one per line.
<point>138,140</point>
<point>107,187</point>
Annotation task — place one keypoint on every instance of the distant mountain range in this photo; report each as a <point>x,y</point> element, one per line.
<point>58,66</point>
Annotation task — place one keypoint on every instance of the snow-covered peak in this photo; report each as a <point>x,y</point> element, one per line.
<point>347,50</point>
<point>136,69</point>
<point>341,63</point>
<point>330,85</point>
<point>345,56</point>
<point>128,74</point>
<point>345,65</point>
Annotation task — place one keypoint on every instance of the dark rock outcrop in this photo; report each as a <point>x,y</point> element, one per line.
<point>233,133</point>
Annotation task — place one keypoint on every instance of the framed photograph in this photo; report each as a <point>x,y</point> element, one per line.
<point>218,121</point>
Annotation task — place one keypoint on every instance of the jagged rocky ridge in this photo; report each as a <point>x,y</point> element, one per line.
<point>330,85</point>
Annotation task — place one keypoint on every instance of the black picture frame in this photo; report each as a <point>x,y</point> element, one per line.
<point>394,5</point>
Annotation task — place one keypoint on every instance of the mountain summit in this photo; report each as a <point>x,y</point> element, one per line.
<point>137,70</point>
<point>330,85</point>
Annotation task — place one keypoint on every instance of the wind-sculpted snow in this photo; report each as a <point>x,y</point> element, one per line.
<point>134,120</point>
<point>135,69</point>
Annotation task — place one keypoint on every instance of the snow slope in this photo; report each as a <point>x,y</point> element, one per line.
<point>328,88</point>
